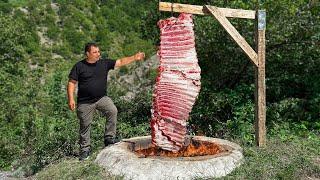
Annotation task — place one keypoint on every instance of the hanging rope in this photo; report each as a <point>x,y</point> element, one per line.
<point>171,13</point>
<point>171,8</point>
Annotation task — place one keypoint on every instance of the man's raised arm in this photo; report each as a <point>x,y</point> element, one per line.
<point>127,60</point>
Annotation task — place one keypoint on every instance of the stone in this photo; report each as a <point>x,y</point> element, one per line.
<point>119,159</point>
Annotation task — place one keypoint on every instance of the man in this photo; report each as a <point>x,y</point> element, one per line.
<point>91,76</point>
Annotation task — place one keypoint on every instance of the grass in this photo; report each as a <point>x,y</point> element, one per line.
<point>297,158</point>
<point>18,3</point>
<point>72,168</point>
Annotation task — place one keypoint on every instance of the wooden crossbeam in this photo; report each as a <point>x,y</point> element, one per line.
<point>200,10</point>
<point>233,33</point>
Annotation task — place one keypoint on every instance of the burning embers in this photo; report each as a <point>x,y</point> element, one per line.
<point>194,148</point>
<point>177,85</point>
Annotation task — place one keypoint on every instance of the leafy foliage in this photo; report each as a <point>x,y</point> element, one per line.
<point>41,41</point>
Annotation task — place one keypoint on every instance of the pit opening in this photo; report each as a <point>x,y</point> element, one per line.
<point>192,148</point>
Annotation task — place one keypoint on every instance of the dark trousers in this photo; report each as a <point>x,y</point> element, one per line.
<point>85,114</point>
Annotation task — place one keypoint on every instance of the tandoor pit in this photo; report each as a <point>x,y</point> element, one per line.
<point>192,148</point>
<point>201,157</point>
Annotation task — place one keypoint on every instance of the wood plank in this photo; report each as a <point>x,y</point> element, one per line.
<point>234,34</point>
<point>200,10</point>
<point>260,91</point>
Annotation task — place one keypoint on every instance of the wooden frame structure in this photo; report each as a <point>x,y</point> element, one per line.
<point>256,56</point>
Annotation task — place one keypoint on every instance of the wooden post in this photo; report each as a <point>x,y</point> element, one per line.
<point>260,91</point>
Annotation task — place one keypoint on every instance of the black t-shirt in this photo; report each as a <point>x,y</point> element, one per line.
<point>92,79</point>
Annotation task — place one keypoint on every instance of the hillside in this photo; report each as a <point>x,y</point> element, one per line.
<point>41,42</point>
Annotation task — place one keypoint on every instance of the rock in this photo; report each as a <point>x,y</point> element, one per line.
<point>136,79</point>
<point>118,159</point>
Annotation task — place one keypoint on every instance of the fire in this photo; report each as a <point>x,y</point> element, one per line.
<point>195,148</point>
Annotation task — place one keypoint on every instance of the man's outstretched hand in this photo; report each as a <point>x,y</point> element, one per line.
<point>139,56</point>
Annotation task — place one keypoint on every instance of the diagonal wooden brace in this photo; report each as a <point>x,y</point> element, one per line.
<point>214,11</point>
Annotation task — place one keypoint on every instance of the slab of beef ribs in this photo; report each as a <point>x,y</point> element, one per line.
<point>177,84</point>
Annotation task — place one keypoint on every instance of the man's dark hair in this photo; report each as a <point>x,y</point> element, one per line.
<point>88,46</point>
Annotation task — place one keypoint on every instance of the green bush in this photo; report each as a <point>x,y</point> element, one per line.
<point>134,115</point>
<point>224,113</point>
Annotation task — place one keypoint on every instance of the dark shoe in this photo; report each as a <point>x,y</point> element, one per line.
<point>109,141</point>
<point>84,155</point>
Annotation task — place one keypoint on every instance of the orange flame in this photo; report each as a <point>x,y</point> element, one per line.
<point>195,148</point>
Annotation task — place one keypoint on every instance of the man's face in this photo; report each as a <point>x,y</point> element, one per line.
<point>93,54</point>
